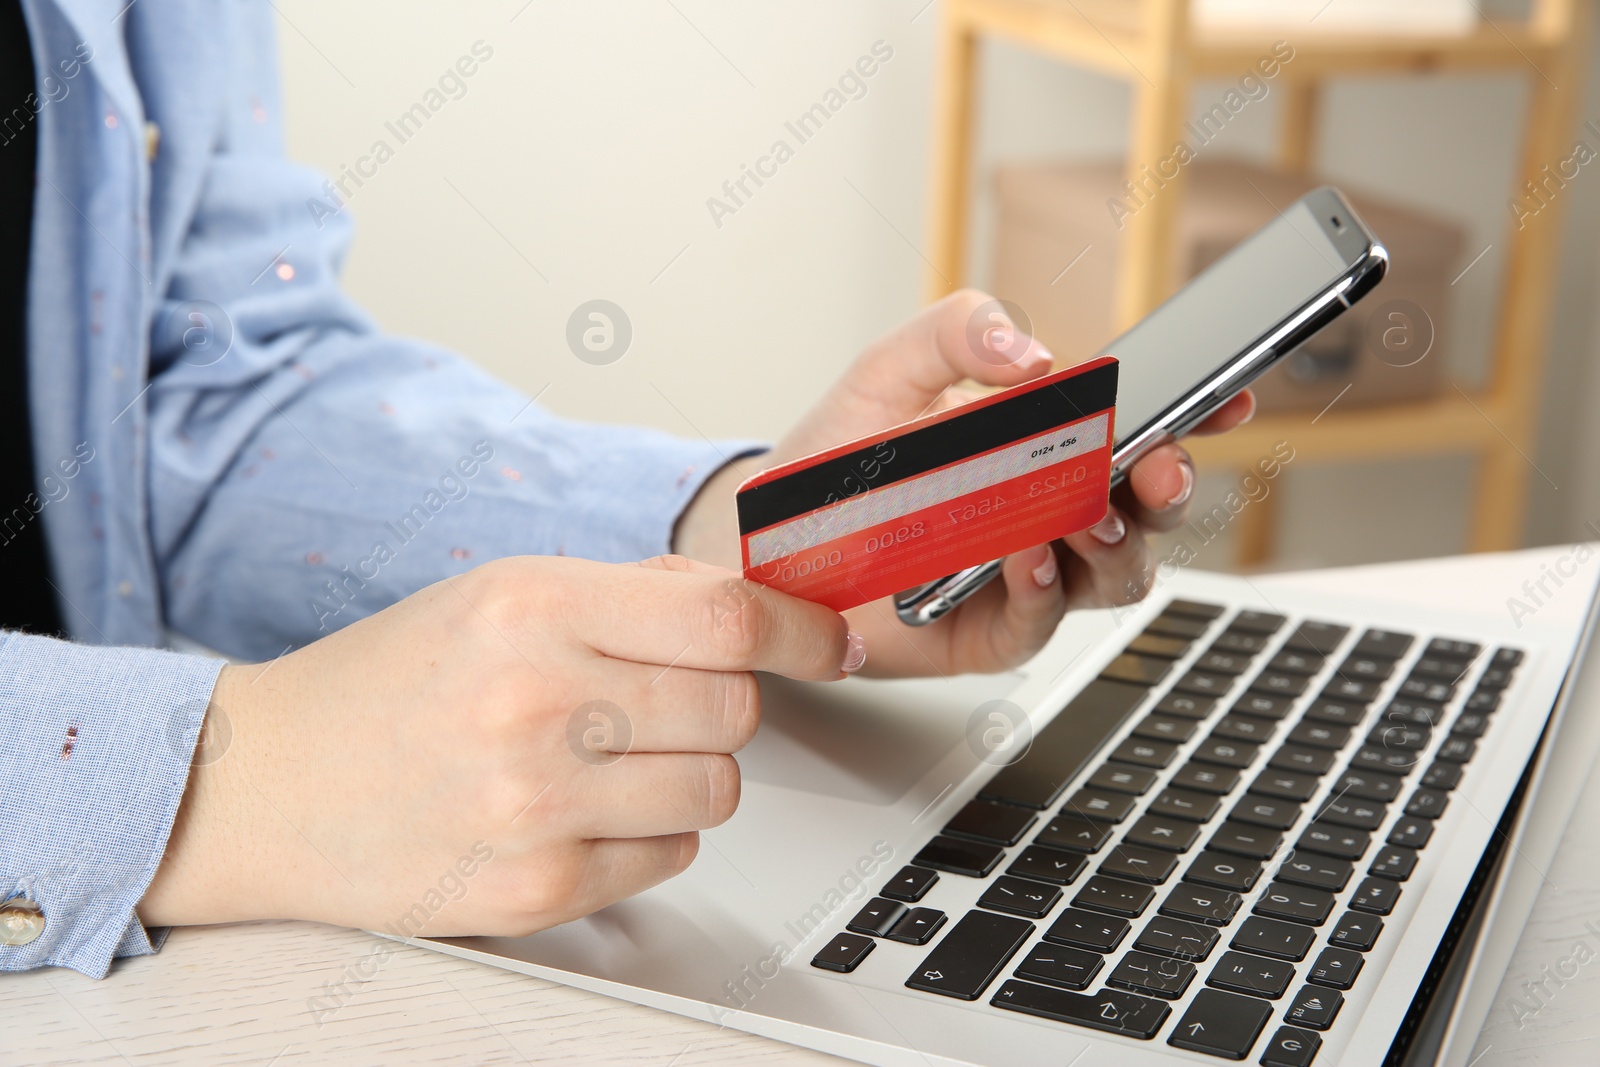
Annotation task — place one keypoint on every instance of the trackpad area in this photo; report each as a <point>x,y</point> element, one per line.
<point>862,739</point>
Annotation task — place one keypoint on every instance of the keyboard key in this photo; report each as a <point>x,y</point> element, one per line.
<point>1352,689</point>
<point>1221,1024</point>
<point>1394,862</point>
<point>876,917</point>
<point>1239,641</point>
<point>984,820</point>
<point>1336,968</point>
<point>1074,833</point>
<point>1159,645</point>
<point>1214,907</point>
<point>1442,670</point>
<point>1269,937</point>
<point>1220,661</point>
<point>1413,713</point>
<point>1121,778</point>
<point>1186,705</point>
<point>1204,683</point>
<point>1177,626</point>
<point>1154,831</point>
<point>1427,803</point>
<point>1127,1014</point>
<point>971,858</point>
<point>1257,622</point>
<point>1444,646</point>
<point>1330,840</point>
<point>1265,811</point>
<point>1427,689</point>
<point>1304,760</point>
<point>1355,813</point>
<point>1411,832</point>
<point>1486,700</point>
<point>1319,735</point>
<point>1244,728</point>
<point>1244,973</point>
<point>1069,968</point>
<point>1020,896</point>
<point>1159,976</point>
<point>1086,930</point>
<point>1506,657</point>
<point>1206,778</point>
<point>1396,738</point>
<point>1245,840</point>
<point>1194,609</point>
<point>1174,937</point>
<point>1263,706</point>
<point>1295,903</point>
<point>1139,864</point>
<point>1458,749</point>
<point>1367,785</point>
<point>1228,753</point>
<point>1494,678</point>
<point>1336,712</point>
<point>1142,752</point>
<point>1048,865</point>
<point>1366,668</point>
<point>969,957</point>
<point>1137,669</point>
<point>1370,758</point>
<point>1291,661</point>
<point>1288,785</point>
<point>1115,896</point>
<point>1470,724</point>
<point>844,953</point>
<point>1281,683</point>
<point>1102,806</point>
<point>1356,931</point>
<point>1290,1047</point>
<point>1383,644</point>
<point>1376,895</point>
<point>1314,1007</point>
<point>1165,728</point>
<point>917,926</point>
<point>1314,871</point>
<point>911,884</point>
<point>1319,637</point>
<point>1183,804</point>
<point>1062,748</point>
<point>1222,871</point>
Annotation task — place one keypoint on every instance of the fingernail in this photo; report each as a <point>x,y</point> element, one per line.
<point>855,653</point>
<point>1038,356</point>
<point>1252,412</point>
<point>1110,529</point>
<point>1044,575</point>
<point>1188,484</point>
<point>1000,338</point>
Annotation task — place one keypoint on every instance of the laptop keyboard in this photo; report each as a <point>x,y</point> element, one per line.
<point>1248,836</point>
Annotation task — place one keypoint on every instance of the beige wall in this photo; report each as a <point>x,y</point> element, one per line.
<point>586,148</point>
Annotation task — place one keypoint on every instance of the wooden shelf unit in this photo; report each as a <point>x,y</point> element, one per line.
<point>1152,46</point>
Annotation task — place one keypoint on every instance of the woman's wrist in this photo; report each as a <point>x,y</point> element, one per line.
<point>708,529</point>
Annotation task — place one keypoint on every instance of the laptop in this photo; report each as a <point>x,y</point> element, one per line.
<point>1279,820</point>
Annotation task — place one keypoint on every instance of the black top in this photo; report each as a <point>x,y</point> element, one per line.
<point>27,601</point>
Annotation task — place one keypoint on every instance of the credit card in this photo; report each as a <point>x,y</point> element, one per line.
<point>889,512</point>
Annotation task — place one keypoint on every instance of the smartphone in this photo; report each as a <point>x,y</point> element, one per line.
<point>1216,335</point>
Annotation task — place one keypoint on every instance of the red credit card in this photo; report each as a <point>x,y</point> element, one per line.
<point>925,499</point>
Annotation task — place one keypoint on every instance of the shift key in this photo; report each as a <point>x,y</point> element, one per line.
<point>971,954</point>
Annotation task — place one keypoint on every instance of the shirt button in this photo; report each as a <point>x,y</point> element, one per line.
<point>21,921</point>
<point>124,588</point>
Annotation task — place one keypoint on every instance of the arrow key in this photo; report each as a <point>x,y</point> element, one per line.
<point>876,917</point>
<point>917,926</point>
<point>1290,1047</point>
<point>1221,1024</point>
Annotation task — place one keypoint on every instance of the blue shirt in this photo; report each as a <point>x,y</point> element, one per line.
<point>227,447</point>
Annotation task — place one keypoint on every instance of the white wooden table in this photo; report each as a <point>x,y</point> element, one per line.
<point>298,993</point>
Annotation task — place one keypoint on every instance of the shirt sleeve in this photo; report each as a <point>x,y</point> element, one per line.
<point>95,749</point>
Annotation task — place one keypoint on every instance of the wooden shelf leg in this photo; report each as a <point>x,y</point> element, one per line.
<point>952,151</point>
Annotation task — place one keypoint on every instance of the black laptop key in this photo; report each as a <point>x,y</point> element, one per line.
<point>1087,930</point>
<point>1394,737</point>
<point>1470,724</point>
<point>1304,760</point>
<point>1388,761</point>
<point>1226,753</point>
<point>1434,692</point>
<point>1257,622</point>
<point>1069,968</point>
<point>1281,683</point>
<point>1183,804</point>
<point>1242,972</point>
<point>917,926</point>
<point>1412,713</point>
<point>969,957</point>
<point>1165,728</point>
<point>1136,669</point>
<point>1269,937</point>
<point>1263,706</point>
<point>1073,833</point>
<point>1194,609</point>
<point>1265,811</point>
<point>1336,968</point>
<point>1395,862</point>
<point>1239,641</point>
<point>876,917</point>
<point>1336,712</point>
<point>1485,700</point>
<point>1291,1047</point>
<point>1206,778</point>
<point>1174,937</point>
<point>1100,805</point>
<point>1494,678</point>
<point>1020,896</point>
<point>1353,812</point>
<point>1441,670</point>
<point>1222,871</point>
<point>911,884</point>
<point>1340,842</point>
<point>1177,626</point>
<point>1314,871</point>
<point>1156,976</point>
<point>1204,683</point>
<point>1291,661</point>
<point>1142,752</point>
<point>1244,728</point>
<point>1355,689</point>
<point>1221,1024</point>
<point>984,820</point>
<point>1139,864</point>
<point>1113,895</point>
<point>1186,705</point>
<point>1220,661</point>
<point>1506,657</point>
<point>1411,831</point>
<point>1383,644</point>
<point>1295,903</point>
<point>1242,839</point>
<point>971,858</point>
<point>1155,831</point>
<point>1159,645</point>
<point>1444,646</point>
<point>1123,778</point>
<point>1366,668</point>
<point>1287,785</point>
<point>1458,749</point>
<point>1319,735</point>
<point>1314,1007</point>
<point>1319,637</point>
<point>1444,776</point>
<point>1427,803</point>
<point>1376,895</point>
<point>1127,1014</point>
<point>844,953</point>
<point>1048,865</point>
<point>1356,931</point>
<point>1060,750</point>
<point>1367,785</point>
<point>1201,904</point>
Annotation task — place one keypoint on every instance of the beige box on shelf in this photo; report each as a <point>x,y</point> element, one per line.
<point>1056,257</point>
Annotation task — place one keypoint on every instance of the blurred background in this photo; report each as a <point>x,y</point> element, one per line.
<point>587,154</point>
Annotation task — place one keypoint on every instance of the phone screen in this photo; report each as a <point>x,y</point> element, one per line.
<point>1220,314</point>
